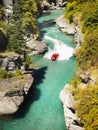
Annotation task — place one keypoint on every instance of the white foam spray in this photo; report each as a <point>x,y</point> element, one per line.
<point>64,51</point>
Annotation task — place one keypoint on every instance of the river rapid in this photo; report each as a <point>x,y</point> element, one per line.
<point>42,109</point>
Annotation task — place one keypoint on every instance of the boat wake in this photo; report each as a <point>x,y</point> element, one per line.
<point>64,51</point>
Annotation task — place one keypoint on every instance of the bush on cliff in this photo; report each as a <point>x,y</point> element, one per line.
<point>5,74</point>
<point>70,10</point>
<point>87,106</point>
<point>90,17</point>
<point>88,53</point>
<point>1,12</point>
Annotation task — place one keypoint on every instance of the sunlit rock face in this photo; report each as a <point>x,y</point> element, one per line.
<point>59,2</point>
<point>8,9</point>
<point>13,92</point>
<point>52,4</point>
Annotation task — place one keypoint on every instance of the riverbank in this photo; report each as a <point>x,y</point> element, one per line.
<point>70,29</point>
<point>71,120</point>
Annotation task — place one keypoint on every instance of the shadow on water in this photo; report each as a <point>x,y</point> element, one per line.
<point>46,23</point>
<point>45,13</point>
<point>41,35</point>
<point>33,94</point>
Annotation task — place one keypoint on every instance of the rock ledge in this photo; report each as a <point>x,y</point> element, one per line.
<point>12,93</point>
<point>67,100</point>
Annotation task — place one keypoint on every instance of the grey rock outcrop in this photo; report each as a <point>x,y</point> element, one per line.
<point>10,61</point>
<point>71,29</point>
<point>72,122</point>
<point>45,5</point>
<point>12,93</point>
<point>52,4</point>
<point>37,47</point>
<point>64,26</point>
<point>59,2</point>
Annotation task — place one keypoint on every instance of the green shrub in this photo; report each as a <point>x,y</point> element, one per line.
<point>70,10</point>
<point>18,73</point>
<point>1,12</point>
<point>90,16</point>
<point>88,51</point>
<point>5,74</point>
<point>87,106</point>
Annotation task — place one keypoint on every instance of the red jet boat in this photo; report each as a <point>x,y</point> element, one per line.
<point>54,56</point>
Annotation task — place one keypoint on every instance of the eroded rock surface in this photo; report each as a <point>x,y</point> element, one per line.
<point>37,47</point>
<point>12,93</point>
<point>71,120</point>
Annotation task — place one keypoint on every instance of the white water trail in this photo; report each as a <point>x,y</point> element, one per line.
<point>64,51</point>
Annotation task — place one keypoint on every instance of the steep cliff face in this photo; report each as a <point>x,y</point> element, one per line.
<point>12,93</point>
<point>71,119</point>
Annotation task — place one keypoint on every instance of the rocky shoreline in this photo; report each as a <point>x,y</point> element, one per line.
<point>36,47</point>
<point>13,90</point>
<point>70,29</point>
<point>71,120</point>
<point>64,26</point>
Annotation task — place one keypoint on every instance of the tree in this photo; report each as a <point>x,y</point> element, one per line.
<point>23,22</point>
<point>15,31</point>
<point>30,13</point>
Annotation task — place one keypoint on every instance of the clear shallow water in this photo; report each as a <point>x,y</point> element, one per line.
<point>42,109</point>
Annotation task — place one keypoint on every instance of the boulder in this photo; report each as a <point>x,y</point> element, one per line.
<point>12,93</point>
<point>45,5</point>
<point>64,26</point>
<point>37,47</point>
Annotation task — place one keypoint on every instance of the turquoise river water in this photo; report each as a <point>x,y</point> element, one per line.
<point>42,109</point>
